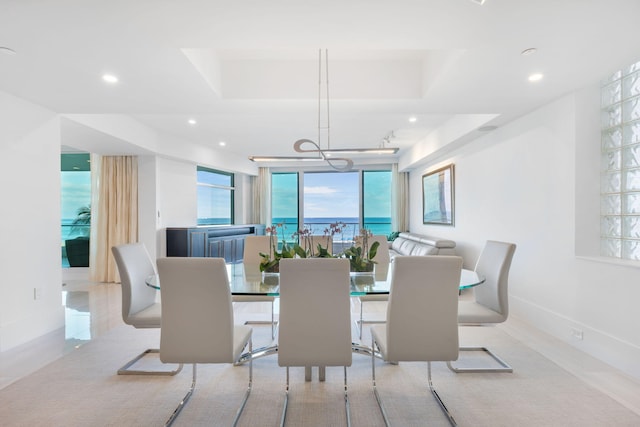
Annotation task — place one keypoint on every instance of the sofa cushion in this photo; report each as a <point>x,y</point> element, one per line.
<point>416,244</point>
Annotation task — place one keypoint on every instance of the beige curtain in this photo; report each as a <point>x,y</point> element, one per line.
<point>399,199</point>
<point>261,186</point>
<point>114,213</point>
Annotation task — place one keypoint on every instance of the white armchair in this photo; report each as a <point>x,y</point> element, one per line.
<point>253,245</point>
<point>197,319</point>
<point>139,306</point>
<point>315,317</point>
<point>381,268</point>
<point>422,317</point>
<point>491,299</point>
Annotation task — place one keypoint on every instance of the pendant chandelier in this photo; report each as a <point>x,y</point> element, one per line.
<point>307,146</point>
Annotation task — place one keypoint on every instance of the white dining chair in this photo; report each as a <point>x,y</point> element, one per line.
<point>315,318</point>
<point>253,245</point>
<point>491,299</point>
<point>197,319</point>
<point>422,317</point>
<point>139,306</point>
<point>382,259</point>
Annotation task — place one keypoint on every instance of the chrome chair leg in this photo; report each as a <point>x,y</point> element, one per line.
<point>321,375</point>
<point>450,418</point>
<point>375,388</point>
<point>347,407</point>
<point>125,370</point>
<point>185,399</point>
<point>437,397</point>
<point>504,366</point>
<point>248,392</point>
<point>286,401</point>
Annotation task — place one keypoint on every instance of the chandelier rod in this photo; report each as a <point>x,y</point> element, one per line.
<point>328,118</point>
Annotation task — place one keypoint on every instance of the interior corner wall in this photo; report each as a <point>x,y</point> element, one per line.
<point>177,203</point>
<point>30,256</point>
<point>521,184</point>
<point>243,199</point>
<point>148,214</point>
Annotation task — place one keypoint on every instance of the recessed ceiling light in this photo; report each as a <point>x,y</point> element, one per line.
<point>536,77</point>
<point>413,119</point>
<point>222,143</point>
<point>109,78</point>
<point>481,2</point>
<point>7,50</point>
<point>192,121</point>
<point>529,51</point>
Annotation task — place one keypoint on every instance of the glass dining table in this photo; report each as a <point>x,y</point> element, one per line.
<point>246,280</point>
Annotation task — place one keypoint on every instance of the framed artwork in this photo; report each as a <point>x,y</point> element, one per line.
<point>437,196</point>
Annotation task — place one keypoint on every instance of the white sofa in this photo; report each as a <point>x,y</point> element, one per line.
<point>415,244</point>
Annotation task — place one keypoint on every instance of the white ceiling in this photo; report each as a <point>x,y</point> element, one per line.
<point>247,71</point>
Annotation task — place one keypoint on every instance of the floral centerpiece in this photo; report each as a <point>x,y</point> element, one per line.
<point>270,262</point>
<point>361,254</point>
<point>310,249</point>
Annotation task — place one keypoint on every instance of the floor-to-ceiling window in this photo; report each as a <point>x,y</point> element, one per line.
<point>284,203</point>
<point>75,190</point>
<point>376,201</point>
<point>215,196</point>
<point>331,197</point>
<point>314,200</point>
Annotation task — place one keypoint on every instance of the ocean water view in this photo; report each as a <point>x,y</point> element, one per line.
<point>377,225</point>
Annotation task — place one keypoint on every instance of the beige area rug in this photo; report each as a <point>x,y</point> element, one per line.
<point>82,389</point>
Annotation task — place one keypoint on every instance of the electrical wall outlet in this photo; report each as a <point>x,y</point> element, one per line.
<point>577,334</point>
<point>37,293</point>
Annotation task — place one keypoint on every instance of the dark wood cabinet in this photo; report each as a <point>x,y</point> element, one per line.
<point>223,241</point>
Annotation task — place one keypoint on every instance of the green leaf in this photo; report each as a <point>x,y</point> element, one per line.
<point>373,250</point>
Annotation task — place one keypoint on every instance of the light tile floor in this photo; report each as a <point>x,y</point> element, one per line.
<point>91,309</point>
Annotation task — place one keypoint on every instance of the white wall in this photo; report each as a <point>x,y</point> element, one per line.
<point>30,254</point>
<point>148,212</point>
<point>177,196</point>
<point>521,184</point>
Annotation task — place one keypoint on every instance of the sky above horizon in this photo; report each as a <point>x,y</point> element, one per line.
<point>332,195</point>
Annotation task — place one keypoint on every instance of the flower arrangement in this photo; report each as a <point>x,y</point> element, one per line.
<point>270,262</point>
<point>319,251</point>
<point>361,254</point>
<point>305,242</point>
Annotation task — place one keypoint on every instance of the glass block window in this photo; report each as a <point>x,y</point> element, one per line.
<point>620,165</point>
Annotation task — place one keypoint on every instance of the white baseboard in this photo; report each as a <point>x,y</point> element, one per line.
<point>75,273</point>
<point>618,353</point>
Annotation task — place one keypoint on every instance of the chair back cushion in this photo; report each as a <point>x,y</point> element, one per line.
<point>253,245</point>
<point>315,314</point>
<point>382,259</point>
<point>134,266</point>
<point>494,264</point>
<point>422,313</point>
<point>197,314</point>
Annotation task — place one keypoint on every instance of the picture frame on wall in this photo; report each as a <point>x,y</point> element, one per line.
<point>438,196</point>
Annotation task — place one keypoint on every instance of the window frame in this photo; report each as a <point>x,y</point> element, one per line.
<point>360,170</point>
<point>231,188</point>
